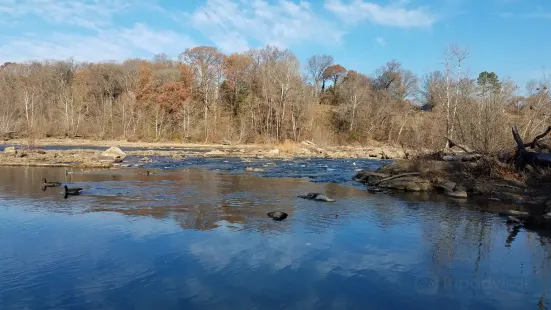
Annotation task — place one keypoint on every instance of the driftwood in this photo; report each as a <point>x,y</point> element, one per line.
<point>465,148</point>
<point>407,174</point>
<point>524,157</point>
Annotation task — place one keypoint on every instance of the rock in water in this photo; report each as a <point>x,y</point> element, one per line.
<point>317,197</point>
<point>114,152</point>
<point>10,150</point>
<point>277,215</point>
<point>513,220</point>
<point>251,169</point>
<point>457,194</point>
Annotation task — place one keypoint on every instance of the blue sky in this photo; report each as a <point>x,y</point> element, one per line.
<point>509,37</point>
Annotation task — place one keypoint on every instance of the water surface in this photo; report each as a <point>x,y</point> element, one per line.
<point>200,239</point>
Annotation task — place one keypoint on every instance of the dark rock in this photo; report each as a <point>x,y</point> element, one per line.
<point>277,215</point>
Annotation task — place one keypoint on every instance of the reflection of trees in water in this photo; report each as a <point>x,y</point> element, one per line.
<point>543,249</point>
<point>201,200</point>
<point>451,235</point>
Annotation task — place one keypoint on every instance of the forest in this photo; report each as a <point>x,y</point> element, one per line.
<point>266,95</point>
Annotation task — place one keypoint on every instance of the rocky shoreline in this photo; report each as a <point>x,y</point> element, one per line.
<point>522,203</point>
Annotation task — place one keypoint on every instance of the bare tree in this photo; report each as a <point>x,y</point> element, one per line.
<point>315,66</point>
<point>456,55</point>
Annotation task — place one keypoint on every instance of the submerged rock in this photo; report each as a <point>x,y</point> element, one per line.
<point>317,197</point>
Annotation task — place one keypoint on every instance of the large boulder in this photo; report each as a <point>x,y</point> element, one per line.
<point>114,152</point>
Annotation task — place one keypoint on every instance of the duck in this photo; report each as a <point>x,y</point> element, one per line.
<point>45,183</point>
<point>72,191</point>
<point>316,196</point>
<point>277,215</point>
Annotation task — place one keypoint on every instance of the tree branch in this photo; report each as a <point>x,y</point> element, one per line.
<point>534,142</point>
<point>396,177</point>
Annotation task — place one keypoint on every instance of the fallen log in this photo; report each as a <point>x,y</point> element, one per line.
<point>462,157</point>
<point>465,148</point>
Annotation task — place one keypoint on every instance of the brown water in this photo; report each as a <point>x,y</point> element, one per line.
<point>198,239</point>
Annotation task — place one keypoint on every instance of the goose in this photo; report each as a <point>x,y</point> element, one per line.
<point>277,215</point>
<point>316,196</point>
<point>45,183</point>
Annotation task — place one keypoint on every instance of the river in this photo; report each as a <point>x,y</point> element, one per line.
<point>194,235</point>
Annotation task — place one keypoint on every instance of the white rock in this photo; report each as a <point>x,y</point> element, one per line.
<point>114,152</point>
<point>9,149</point>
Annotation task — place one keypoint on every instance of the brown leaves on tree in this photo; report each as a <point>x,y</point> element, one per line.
<point>171,95</point>
<point>235,67</point>
<point>334,73</point>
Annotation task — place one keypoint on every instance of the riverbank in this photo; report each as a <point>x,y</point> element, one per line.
<point>525,201</point>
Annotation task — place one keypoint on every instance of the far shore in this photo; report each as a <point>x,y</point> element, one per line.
<point>373,150</point>
<point>78,155</point>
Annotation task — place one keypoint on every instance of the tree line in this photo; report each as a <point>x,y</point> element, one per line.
<point>265,95</point>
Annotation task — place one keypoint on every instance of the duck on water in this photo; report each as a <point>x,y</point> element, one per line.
<point>45,183</point>
<point>72,191</point>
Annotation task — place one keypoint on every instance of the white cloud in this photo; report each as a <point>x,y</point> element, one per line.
<point>395,14</point>
<point>101,41</point>
<point>86,14</point>
<point>115,44</point>
<point>381,41</point>
<point>233,25</point>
